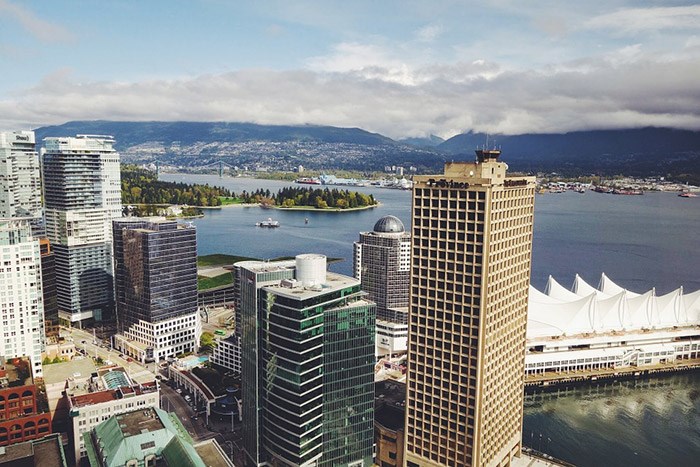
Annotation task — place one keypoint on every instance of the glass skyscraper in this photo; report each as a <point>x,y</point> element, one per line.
<point>308,364</point>
<point>155,265</point>
<point>82,194</point>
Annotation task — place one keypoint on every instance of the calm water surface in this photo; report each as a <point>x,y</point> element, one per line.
<point>640,242</point>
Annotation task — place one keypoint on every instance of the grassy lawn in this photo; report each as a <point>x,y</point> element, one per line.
<point>226,200</point>
<point>219,260</point>
<point>225,260</point>
<point>204,283</point>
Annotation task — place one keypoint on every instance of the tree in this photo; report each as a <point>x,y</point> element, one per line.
<point>207,342</point>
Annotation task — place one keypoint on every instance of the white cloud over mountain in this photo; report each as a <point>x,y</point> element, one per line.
<point>544,69</point>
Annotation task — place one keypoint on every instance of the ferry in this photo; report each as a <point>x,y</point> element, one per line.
<point>269,223</point>
<point>308,181</point>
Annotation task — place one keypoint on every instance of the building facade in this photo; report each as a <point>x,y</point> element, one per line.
<point>472,244</point>
<point>155,263</point>
<point>382,263</point>
<point>48,285</point>
<point>82,194</point>
<point>308,359</point>
<point>21,298</point>
<point>149,437</point>
<point>21,416</point>
<point>20,176</point>
<point>107,393</point>
<point>227,353</point>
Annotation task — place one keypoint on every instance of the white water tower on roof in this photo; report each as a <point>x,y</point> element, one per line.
<point>311,269</point>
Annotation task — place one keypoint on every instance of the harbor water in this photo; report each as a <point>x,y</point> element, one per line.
<point>640,242</point>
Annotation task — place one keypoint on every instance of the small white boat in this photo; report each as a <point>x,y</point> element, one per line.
<point>269,223</point>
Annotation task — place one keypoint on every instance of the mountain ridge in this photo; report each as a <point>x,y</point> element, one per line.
<point>642,151</point>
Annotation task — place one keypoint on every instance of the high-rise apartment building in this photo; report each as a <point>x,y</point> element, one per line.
<point>307,364</point>
<point>155,265</point>
<point>382,263</point>
<point>472,244</point>
<point>21,299</point>
<point>20,176</point>
<point>82,194</point>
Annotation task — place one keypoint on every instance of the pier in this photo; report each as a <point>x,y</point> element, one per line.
<point>554,379</point>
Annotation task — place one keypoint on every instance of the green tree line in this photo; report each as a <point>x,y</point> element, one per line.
<point>141,186</point>
<point>314,197</point>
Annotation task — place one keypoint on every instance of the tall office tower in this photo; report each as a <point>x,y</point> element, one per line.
<point>155,265</point>
<point>20,176</point>
<point>382,263</point>
<point>48,285</point>
<point>21,301</point>
<point>472,243</point>
<point>82,194</point>
<point>307,365</point>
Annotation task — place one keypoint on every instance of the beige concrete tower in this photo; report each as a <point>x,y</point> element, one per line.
<point>470,276</point>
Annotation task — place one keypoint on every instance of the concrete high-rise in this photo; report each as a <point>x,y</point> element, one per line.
<point>21,299</point>
<point>82,194</point>
<point>20,176</point>
<point>155,265</point>
<point>382,264</point>
<point>307,364</point>
<point>472,245</point>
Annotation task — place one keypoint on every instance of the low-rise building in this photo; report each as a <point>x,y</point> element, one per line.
<point>59,347</point>
<point>106,393</point>
<point>23,415</point>
<point>389,413</point>
<point>227,353</point>
<point>148,437</point>
<point>44,452</point>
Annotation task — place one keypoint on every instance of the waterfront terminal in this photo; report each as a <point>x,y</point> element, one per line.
<point>587,333</point>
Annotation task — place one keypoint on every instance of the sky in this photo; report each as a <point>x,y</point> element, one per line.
<point>403,68</point>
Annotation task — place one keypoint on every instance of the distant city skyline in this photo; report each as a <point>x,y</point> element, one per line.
<point>403,69</point>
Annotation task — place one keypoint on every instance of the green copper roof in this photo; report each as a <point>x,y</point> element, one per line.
<point>140,434</point>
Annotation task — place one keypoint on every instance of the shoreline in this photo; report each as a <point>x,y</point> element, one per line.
<point>314,209</point>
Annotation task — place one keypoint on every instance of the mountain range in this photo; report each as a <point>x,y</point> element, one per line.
<point>643,151</point>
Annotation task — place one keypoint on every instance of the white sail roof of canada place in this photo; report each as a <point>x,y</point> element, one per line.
<point>585,309</point>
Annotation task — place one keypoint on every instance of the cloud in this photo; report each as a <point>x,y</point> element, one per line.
<point>429,33</point>
<point>633,20</point>
<point>37,27</point>
<point>360,85</point>
<point>365,60</point>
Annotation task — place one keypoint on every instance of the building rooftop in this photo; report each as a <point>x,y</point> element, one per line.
<point>139,434</point>
<point>389,224</point>
<point>266,266</point>
<point>44,452</point>
<point>389,404</point>
<point>141,421</point>
<point>333,282</point>
<point>15,372</point>
<point>75,369</point>
<point>211,453</point>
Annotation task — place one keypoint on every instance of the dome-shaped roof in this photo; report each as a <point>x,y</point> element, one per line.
<point>389,224</point>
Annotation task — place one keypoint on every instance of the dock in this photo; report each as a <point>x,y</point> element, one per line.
<point>554,379</point>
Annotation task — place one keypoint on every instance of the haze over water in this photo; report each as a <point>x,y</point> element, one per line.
<point>640,242</point>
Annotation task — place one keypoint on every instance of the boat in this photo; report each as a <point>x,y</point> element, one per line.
<point>308,181</point>
<point>687,194</point>
<point>269,223</point>
<point>627,191</point>
<point>580,190</point>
